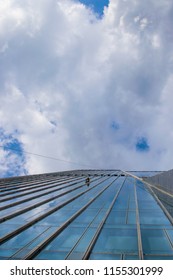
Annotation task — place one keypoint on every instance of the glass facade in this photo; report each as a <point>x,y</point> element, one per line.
<point>162,186</point>
<point>83,214</point>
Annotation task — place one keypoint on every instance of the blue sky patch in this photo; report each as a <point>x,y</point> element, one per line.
<point>115,125</point>
<point>14,157</point>
<point>142,145</point>
<point>96,5</point>
<point>14,146</point>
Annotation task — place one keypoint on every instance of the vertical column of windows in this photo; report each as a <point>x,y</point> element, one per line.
<point>140,250</point>
<point>116,237</point>
<point>154,225</point>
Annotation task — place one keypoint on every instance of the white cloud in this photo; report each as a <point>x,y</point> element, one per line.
<point>66,76</point>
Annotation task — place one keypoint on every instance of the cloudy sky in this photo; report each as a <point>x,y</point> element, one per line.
<point>85,84</point>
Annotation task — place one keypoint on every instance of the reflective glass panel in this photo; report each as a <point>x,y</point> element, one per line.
<point>116,217</point>
<point>116,240</point>
<point>130,257</point>
<point>155,241</point>
<point>104,257</point>
<point>161,257</point>
<point>170,234</point>
<point>154,217</point>
<point>49,255</point>
<point>66,240</point>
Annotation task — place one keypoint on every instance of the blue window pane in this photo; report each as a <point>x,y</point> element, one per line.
<point>131,217</point>
<point>4,229</point>
<point>155,241</point>
<point>57,218</point>
<point>160,257</point>
<point>20,254</point>
<point>116,217</point>
<point>48,255</point>
<point>131,257</point>
<point>86,239</point>
<point>6,253</point>
<point>26,249</point>
<point>132,205</point>
<point>153,226</point>
<point>24,237</point>
<point>116,241</point>
<point>170,234</point>
<point>120,205</point>
<point>117,226</point>
<point>146,217</point>
<point>75,256</point>
<point>86,217</point>
<point>99,217</point>
<point>104,257</point>
<point>83,244</point>
<point>40,238</point>
<point>66,240</point>
<point>148,205</point>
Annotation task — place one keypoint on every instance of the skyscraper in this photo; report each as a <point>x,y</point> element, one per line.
<point>86,214</point>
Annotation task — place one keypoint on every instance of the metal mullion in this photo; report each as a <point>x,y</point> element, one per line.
<point>140,250</point>
<point>92,243</point>
<point>127,210</point>
<point>44,215</point>
<point>45,242</point>
<point>169,239</point>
